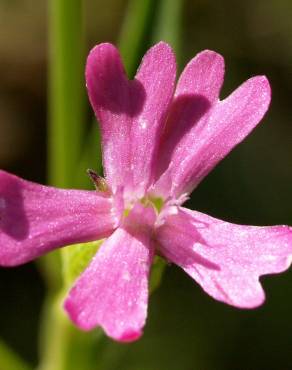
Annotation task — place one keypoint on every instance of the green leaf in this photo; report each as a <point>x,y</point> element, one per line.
<point>76,258</point>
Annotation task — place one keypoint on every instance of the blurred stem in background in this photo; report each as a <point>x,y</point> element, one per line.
<point>66,104</point>
<point>168,25</point>
<point>9,360</point>
<point>136,27</point>
<point>66,90</point>
<point>63,347</point>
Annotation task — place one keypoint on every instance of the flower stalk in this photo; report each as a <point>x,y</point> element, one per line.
<point>65,132</point>
<point>66,90</point>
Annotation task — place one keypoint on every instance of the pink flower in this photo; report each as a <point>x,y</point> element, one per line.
<point>157,147</point>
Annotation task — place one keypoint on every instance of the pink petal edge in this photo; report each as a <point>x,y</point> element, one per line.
<point>225,259</point>
<point>36,219</point>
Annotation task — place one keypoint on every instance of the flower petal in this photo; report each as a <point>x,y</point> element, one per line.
<point>113,291</point>
<point>35,219</point>
<point>225,259</point>
<point>201,130</point>
<point>197,91</point>
<point>131,113</point>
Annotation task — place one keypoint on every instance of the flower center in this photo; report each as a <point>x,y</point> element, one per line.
<point>157,203</point>
<point>147,201</point>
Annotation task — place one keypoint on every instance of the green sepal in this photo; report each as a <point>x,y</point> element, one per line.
<point>157,270</point>
<point>76,258</point>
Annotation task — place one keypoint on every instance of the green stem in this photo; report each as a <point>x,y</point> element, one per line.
<point>66,90</point>
<point>10,360</point>
<point>62,346</point>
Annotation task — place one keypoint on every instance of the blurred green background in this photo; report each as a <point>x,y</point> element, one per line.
<point>186,329</point>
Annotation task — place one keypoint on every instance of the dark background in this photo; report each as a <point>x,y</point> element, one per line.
<point>186,329</point>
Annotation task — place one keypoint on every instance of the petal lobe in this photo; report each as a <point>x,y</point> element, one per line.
<point>225,259</point>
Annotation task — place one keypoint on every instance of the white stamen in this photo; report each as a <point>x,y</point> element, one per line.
<point>143,124</point>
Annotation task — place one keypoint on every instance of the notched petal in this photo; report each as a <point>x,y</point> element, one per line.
<point>227,260</point>
<point>201,130</point>
<point>131,113</point>
<point>108,86</point>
